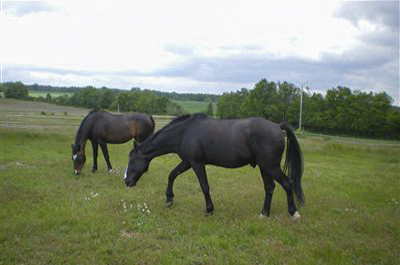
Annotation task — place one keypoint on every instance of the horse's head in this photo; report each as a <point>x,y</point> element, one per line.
<point>78,157</point>
<point>137,165</point>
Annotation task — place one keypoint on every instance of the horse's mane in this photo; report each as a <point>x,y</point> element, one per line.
<point>79,132</point>
<point>186,117</point>
<point>178,120</point>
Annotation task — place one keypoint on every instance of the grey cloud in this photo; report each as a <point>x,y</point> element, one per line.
<point>364,67</point>
<point>22,8</point>
<point>385,13</point>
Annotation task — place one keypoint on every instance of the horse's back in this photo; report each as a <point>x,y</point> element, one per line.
<point>120,128</point>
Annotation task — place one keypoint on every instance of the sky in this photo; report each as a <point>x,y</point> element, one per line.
<point>202,46</point>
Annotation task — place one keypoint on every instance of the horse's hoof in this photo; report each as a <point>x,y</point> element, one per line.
<point>110,170</point>
<point>296,216</point>
<point>169,203</point>
<point>94,170</point>
<point>265,213</point>
<point>208,213</point>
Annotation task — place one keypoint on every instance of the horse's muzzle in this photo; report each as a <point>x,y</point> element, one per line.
<point>130,184</point>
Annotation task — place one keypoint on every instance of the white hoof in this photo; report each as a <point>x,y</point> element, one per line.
<point>296,216</point>
<point>110,171</point>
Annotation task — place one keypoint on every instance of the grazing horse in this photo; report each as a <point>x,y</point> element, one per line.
<point>199,140</point>
<point>101,127</point>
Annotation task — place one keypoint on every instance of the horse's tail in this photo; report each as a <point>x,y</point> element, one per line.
<point>294,161</point>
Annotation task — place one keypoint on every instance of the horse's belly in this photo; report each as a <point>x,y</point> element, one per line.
<point>228,160</point>
<point>114,136</point>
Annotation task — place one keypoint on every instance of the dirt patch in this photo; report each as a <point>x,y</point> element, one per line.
<point>130,234</point>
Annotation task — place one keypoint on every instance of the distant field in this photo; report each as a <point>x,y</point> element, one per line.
<point>194,106</point>
<point>188,106</point>
<point>50,216</point>
<point>37,94</point>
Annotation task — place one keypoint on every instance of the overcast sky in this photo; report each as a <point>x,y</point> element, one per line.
<point>201,46</point>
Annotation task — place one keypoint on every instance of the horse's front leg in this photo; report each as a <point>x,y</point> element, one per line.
<point>105,155</point>
<point>179,169</point>
<point>95,147</point>
<point>200,171</point>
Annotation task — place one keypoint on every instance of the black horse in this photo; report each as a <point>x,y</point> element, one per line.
<point>101,127</point>
<point>199,140</point>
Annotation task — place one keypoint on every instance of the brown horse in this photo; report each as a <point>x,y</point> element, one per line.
<point>101,127</point>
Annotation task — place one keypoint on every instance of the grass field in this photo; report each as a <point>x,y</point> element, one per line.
<point>188,106</point>
<point>37,94</point>
<point>194,106</point>
<point>50,216</point>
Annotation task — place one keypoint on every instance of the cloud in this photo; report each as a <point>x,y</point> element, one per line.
<point>374,62</point>
<point>356,45</point>
<point>23,8</point>
<point>384,13</point>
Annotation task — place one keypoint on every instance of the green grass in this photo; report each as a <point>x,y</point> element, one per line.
<point>194,106</point>
<point>37,94</point>
<point>50,216</point>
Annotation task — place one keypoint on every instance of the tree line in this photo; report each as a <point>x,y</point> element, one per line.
<point>146,101</point>
<point>171,95</point>
<point>341,111</point>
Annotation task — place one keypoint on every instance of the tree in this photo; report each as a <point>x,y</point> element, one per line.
<point>16,90</point>
<point>392,126</point>
<point>174,109</point>
<point>261,102</point>
<point>210,109</point>
<point>48,97</point>
<point>228,104</point>
<point>106,98</point>
<point>286,95</point>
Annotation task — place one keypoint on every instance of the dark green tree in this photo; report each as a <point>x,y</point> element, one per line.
<point>262,102</point>
<point>228,104</point>
<point>48,97</point>
<point>16,90</point>
<point>210,109</point>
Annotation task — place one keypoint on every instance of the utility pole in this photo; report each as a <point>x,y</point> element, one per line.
<point>301,103</point>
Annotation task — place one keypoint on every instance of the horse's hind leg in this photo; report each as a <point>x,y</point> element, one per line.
<point>179,169</point>
<point>106,157</point>
<point>286,184</point>
<point>200,171</point>
<point>269,186</point>
<point>95,147</point>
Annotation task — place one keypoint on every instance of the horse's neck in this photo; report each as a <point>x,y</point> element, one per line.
<point>82,135</point>
<point>164,143</point>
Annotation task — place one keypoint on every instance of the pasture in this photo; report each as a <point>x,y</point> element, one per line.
<point>194,106</point>
<point>53,94</point>
<point>50,216</point>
